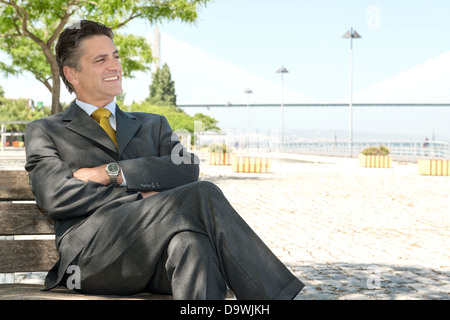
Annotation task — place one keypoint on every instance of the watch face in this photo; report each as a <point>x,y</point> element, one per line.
<point>113,167</point>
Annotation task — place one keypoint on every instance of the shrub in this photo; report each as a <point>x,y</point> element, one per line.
<point>176,117</point>
<point>219,148</point>
<point>376,151</point>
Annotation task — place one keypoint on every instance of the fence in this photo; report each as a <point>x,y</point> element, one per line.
<point>399,150</point>
<point>11,139</point>
<point>262,141</point>
<point>269,141</point>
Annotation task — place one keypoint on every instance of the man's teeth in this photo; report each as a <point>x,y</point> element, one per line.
<point>111,78</point>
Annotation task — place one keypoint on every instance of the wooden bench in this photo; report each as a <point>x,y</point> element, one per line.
<point>19,217</point>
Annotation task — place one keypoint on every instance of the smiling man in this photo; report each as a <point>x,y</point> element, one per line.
<point>98,77</point>
<point>126,215</point>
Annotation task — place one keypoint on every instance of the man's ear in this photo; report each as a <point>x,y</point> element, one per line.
<point>71,75</point>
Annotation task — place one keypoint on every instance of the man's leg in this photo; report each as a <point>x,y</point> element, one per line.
<point>250,269</point>
<point>131,239</point>
<point>189,269</point>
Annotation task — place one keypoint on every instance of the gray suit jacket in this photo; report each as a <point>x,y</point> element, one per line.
<point>59,145</point>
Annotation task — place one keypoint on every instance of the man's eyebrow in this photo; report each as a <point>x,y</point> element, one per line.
<point>103,55</point>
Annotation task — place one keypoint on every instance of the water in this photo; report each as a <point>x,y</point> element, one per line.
<point>369,123</point>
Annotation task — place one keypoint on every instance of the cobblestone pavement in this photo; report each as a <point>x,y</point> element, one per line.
<point>347,232</point>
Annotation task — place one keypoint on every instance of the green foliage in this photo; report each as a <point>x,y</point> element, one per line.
<point>162,89</point>
<point>18,110</point>
<point>219,148</point>
<point>29,30</point>
<point>135,53</point>
<point>208,122</point>
<point>25,55</point>
<point>176,117</point>
<point>376,151</point>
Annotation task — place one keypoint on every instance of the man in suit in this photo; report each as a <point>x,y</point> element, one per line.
<point>125,213</point>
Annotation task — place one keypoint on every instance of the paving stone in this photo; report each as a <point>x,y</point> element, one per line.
<point>340,227</point>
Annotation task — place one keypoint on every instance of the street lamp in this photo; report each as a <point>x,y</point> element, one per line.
<point>282,70</point>
<point>352,35</point>
<point>248,92</point>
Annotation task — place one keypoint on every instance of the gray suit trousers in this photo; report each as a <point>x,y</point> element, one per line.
<point>187,241</point>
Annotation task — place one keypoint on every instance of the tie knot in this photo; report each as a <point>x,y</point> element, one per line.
<point>101,113</point>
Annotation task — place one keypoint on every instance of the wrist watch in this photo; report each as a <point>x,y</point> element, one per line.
<point>112,169</point>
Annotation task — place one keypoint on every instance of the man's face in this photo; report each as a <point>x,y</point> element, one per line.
<point>99,78</point>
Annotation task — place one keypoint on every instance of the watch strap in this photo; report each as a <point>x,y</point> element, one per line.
<point>113,179</point>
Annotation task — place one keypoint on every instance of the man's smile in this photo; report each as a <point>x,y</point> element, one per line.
<point>112,78</point>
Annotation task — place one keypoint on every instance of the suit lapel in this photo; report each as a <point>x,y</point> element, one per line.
<point>81,123</point>
<point>127,126</point>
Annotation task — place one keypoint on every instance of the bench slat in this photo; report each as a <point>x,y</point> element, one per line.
<point>27,255</point>
<point>31,255</point>
<point>20,291</point>
<point>15,185</point>
<point>23,219</point>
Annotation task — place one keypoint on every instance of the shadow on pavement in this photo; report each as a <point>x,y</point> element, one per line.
<point>361,281</point>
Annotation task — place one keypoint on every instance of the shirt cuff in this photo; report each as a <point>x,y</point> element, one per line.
<point>124,183</point>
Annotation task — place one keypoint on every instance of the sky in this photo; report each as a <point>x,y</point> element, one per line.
<point>306,37</point>
<point>259,36</point>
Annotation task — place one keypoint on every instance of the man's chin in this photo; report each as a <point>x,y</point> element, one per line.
<point>115,93</point>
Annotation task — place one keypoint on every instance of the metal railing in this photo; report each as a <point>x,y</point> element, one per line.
<point>4,134</point>
<point>399,150</point>
<point>268,141</point>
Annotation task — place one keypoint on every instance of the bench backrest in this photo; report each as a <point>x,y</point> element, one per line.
<point>19,216</point>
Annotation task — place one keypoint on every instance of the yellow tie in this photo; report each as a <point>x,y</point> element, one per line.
<point>101,115</point>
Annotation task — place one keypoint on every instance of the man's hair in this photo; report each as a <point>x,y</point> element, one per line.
<point>68,48</point>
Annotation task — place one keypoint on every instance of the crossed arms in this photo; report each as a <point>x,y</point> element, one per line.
<point>70,181</point>
<point>98,174</point>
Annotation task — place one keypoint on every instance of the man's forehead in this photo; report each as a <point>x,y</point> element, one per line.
<point>98,45</point>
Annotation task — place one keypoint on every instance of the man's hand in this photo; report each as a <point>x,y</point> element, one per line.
<point>148,194</point>
<point>96,174</point>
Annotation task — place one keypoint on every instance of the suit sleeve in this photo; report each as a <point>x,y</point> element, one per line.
<point>56,190</point>
<point>173,167</point>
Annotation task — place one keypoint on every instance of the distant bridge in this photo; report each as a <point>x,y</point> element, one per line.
<point>310,105</point>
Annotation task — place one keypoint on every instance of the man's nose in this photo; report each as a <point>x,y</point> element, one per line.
<point>114,64</point>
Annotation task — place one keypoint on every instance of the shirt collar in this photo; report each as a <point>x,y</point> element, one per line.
<point>89,108</point>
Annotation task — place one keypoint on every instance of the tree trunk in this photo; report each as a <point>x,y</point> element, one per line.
<point>56,86</point>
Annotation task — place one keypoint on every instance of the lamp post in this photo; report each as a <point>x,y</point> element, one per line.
<point>352,35</point>
<point>282,70</point>
<point>248,92</point>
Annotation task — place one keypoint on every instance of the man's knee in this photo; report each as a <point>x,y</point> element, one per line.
<point>205,187</point>
<point>191,243</point>
<point>193,268</point>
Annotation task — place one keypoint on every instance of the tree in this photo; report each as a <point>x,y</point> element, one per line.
<point>176,117</point>
<point>18,109</point>
<point>29,30</point>
<point>162,89</point>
